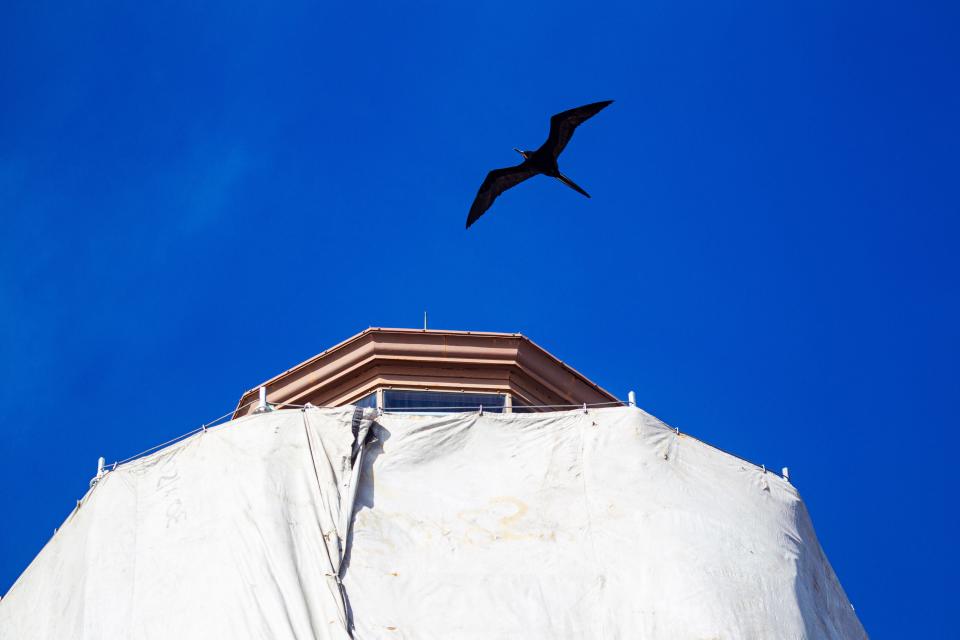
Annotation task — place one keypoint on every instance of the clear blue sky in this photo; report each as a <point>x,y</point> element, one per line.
<point>196,198</point>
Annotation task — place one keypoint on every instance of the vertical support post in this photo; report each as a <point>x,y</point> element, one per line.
<point>94,480</point>
<point>786,474</point>
<point>262,406</point>
<point>380,406</point>
<point>508,403</point>
<point>631,399</point>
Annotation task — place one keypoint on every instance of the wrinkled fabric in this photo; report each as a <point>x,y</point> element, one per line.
<point>604,524</point>
<point>231,533</point>
<point>321,524</point>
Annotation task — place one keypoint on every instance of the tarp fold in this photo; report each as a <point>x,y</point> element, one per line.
<point>327,523</point>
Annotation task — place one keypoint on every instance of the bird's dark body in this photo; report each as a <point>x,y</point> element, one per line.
<point>542,161</point>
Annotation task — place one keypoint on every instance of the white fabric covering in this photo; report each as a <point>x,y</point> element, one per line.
<point>605,524</point>
<point>231,533</point>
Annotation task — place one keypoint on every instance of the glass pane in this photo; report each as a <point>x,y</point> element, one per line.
<point>441,401</point>
<point>367,401</point>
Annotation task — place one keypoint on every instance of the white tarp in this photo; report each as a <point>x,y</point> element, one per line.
<point>604,524</point>
<point>232,533</point>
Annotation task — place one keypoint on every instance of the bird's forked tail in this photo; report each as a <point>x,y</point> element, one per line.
<point>570,183</point>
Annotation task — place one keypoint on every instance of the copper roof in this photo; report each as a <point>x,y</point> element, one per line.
<point>431,359</point>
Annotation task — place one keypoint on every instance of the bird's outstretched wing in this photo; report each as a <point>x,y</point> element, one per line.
<point>563,124</point>
<point>497,181</point>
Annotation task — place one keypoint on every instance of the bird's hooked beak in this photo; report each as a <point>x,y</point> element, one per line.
<point>522,153</point>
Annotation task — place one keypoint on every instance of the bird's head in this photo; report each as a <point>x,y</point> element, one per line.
<point>525,154</point>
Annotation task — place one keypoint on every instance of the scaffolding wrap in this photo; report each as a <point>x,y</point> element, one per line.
<point>339,523</point>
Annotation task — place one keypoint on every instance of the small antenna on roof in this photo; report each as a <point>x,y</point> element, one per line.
<point>424,320</point>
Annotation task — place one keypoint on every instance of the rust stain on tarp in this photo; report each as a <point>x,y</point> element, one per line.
<point>499,519</point>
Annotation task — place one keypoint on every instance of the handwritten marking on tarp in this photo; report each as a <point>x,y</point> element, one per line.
<point>168,485</point>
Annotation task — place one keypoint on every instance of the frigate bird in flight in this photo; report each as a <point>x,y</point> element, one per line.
<point>543,160</point>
